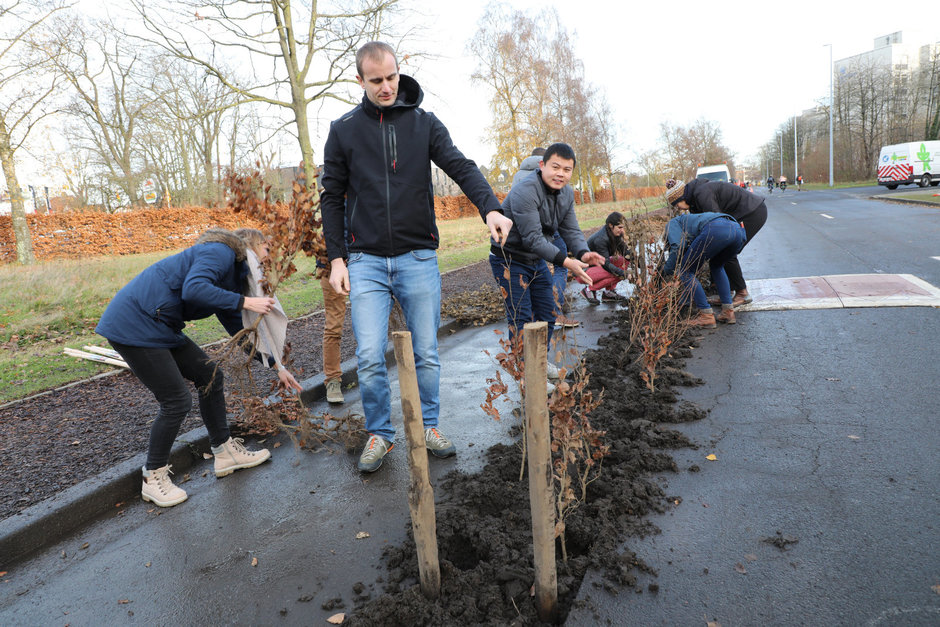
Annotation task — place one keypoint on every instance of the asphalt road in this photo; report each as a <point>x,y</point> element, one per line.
<point>824,428</point>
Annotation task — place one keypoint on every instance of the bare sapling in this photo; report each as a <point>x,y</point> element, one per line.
<point>578,448</point>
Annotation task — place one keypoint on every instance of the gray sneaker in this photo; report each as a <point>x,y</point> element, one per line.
<point>334,391</point>
<point>438,443</point>
<point>374,452</point>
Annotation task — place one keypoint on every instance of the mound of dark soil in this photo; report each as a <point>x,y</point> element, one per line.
<point>484,523</point>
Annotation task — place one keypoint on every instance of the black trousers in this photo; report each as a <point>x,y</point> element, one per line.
<point>752,224</point>
<point>165,371</point>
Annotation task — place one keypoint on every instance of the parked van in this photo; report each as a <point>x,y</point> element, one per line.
<point>714,173</point>
<point>913,162</point>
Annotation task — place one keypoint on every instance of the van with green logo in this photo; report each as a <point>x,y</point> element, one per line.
<point>912,162</point>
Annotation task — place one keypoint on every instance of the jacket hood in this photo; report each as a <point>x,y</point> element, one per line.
<point>228,238</point>
<point>688,191</point>
<point>530,163</point>
<point>410,95</point>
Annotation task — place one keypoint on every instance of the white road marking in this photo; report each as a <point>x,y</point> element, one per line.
<point>937,258</point>
<point>827,216</point>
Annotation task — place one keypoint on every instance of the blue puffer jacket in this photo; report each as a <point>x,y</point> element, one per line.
<point>205,279</point>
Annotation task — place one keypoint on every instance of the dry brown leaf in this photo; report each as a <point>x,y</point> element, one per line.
<point>254,561</point>
<point>361,535</point>
<point>934,588</point>
<point>750,557</point>
<point>337,619</point>
<point>147,565</point>
<point>277,445</point>
<point>84,546</point>
<point>123,601</point>
<point>854,437</point>
<point>3,572</point>
<point>740,568</point>
<point>711,457</point>
<point>713,623</point>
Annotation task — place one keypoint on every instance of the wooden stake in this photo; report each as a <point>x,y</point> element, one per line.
<point>74,352</point>
<point>538,442</point>
<point>420,493</point>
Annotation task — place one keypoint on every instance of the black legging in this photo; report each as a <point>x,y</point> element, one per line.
<point>164,371</point>
<point>752,224</point>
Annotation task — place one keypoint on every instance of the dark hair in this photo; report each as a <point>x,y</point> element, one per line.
<point>537,152</point>
<point>376,51</point>
<point>561,149</point>
<point>615,218</point>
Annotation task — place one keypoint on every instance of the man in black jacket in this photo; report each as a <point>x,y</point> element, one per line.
<point>381,234</point>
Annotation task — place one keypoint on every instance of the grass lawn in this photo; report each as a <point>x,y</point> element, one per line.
<point>930,195</point>
<point>56,304</point>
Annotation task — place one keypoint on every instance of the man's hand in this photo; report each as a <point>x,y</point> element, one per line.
<point>592,258</point>
<point>287,380</point>
<point>499,226</point>
<point>577,268</point>
<point>339,276</point>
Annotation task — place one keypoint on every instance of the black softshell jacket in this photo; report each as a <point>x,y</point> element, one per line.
<point>720,197</point>
<point>377,193</point>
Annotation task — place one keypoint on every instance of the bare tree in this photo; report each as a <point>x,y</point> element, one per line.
<point>113,86</point>
<point>295,53</point>
<point>25,85</point>
<point>685,148</point>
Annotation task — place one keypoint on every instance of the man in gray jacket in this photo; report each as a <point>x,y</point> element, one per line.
<point>539,205</point>
<point>559,273</point>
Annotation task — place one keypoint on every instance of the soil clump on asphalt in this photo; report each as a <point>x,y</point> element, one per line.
<point>484,523</point>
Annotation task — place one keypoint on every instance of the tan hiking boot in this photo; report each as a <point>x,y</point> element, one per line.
<point>726,316</point>
<point>703,321</point>
<point>232,455</point>
<point>159,489</point>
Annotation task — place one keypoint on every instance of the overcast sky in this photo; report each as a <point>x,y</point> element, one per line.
<point>740,64</point>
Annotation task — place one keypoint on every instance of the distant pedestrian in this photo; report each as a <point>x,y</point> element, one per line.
<point>144,323</point>
<point>799,183</point>
<point>699,196</point>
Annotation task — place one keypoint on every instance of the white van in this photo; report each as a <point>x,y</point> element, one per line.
<point>714,173</point>
<point>913,162</point>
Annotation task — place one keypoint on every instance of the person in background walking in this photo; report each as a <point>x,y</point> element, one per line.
<point>608,242</point>
<point>559,273</point>
<point>381,235</point>
<point>700,195</point>
<point>144,323</point>
<point>799,183</point>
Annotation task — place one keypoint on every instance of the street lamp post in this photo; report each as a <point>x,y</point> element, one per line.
<point>796,155</point>
<point>831,181</point>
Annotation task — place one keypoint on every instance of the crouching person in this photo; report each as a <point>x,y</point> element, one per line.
<point>144,323</point>
<point>693,239</point>
<point>610,244</point>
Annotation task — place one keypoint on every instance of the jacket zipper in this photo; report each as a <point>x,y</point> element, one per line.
<point>388,198</point>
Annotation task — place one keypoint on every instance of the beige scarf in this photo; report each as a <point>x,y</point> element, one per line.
<point>272,331</point>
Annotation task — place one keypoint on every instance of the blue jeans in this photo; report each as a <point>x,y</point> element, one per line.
<point>719,242</point>
<point>528,293</point>
<point>559,277</point>
<point>415,281</point>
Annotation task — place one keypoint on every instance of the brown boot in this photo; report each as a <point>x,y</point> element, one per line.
<point>726,316</point>
<point>741,299</point>
<point>703,321</point>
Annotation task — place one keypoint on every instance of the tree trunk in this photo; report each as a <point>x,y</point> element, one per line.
<point>24,242</point>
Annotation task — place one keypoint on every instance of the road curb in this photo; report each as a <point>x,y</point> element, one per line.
<point>46,522</point>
